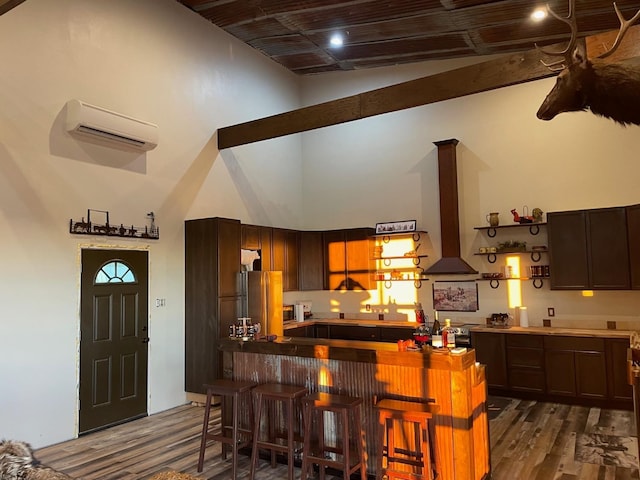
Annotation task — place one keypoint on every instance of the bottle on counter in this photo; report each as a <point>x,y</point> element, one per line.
<point>436,333</point>
<point>435,328</point>
<point>448,335</point>
<point>421,334</point>
<point>420,318</point>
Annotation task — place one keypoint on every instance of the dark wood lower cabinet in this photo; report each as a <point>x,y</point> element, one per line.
<point>304,331</point>
<point>619,388</point>
<point>491,351</point>
<point>393,334</point>
<point>355,332</point>
<point>525,363</point>
<point>372,333</point>
<point>585,370</point>
<point>576,366</point>
<point>561,374</point>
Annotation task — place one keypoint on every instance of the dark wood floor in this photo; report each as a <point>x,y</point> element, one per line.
<point>529,441</point>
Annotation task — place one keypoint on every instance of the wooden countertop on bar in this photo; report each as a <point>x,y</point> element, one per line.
<point>355,351</point>
<point>574,332</point>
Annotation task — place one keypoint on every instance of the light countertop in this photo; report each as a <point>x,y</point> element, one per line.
<point>575,332</point>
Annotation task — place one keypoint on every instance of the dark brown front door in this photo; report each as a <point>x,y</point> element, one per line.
<point>114,336</point>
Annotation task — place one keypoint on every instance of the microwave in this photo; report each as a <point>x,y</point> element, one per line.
<point>288,313</point>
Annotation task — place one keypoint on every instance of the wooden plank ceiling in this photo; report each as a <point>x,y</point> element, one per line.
<point>296,33</point>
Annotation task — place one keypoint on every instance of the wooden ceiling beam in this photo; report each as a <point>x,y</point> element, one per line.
<point>481,77</point>
<point>7,5</point>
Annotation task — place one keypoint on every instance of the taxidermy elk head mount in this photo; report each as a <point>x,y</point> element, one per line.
<point>611,90</point>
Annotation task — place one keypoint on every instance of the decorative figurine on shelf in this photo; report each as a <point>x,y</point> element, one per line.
<point>537,214</point>
<point>521,219</point>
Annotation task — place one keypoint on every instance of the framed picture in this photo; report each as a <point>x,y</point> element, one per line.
<point>455,296</point>
<point>396,227</point>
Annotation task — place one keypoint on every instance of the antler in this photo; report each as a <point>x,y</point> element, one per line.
<point>624,26</point>
<point>570,20</point>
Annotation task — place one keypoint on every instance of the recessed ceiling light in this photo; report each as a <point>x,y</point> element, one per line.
<point>539,14</point>
<point>336,40</point>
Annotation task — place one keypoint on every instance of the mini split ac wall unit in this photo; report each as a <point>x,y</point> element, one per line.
<point>113,128</point>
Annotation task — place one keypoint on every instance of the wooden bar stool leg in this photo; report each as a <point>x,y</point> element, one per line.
<point>382,423</point>
<point>256,434</point>
<point>234,435</point>
<point>391,447</point>
<point>290,434</point>
<point>346,447</point>
<point>321,440</point>
<point>358,435</point>
<point>223,408</point>
<point>308,422</point>
<point>426,460</point>
<point>205,429</point>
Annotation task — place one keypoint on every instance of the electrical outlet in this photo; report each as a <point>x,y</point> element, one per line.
<point>551,312</point>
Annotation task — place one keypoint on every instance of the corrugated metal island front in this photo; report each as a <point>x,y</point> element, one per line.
<point>455,382</point>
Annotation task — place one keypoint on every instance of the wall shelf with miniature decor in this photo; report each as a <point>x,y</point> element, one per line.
<point>398,266</point>
<point>386,237</point>
<point>538,272</point>
<point>82,227</point>
<point>535,253</point>
<point>534,228</point>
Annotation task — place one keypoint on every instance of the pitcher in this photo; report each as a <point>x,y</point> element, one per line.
<point>493,219</point>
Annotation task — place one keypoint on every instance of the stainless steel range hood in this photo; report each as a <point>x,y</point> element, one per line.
<point>451,261</point>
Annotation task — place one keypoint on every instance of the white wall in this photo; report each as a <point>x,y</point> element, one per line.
<point>151,59</point>
<point>385,168</point>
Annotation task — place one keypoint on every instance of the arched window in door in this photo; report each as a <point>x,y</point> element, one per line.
<point>115,272</point>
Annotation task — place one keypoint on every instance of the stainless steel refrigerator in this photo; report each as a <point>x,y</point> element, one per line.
<point>261,300</point>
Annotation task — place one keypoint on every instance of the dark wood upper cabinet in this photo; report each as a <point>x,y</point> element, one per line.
<point>359,245</point>
<point>284,256</point>
<point>250,237</point>
<point>256,237</point>
<point>311,261</point>
<point>608,248</point>
<point>588,249</point>
<point>348,259</point>
<point>633,235</point>
<point>266,248</point>
<point>568,257</point>
<point>335,259</point>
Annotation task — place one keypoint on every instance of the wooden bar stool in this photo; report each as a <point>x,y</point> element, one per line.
<point>274,395</point>
<point>399,448</point>
<point>347,415</point>
<point>240,437</point>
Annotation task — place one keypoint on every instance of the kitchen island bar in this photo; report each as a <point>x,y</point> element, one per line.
<point>370,370</point>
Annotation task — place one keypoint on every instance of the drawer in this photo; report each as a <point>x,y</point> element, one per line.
<point>353,332</point>
<point>525,357</point>
<point>393,334</point>
<point>526,380</point>
<point>519,340</point>
<point>584,344</point>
